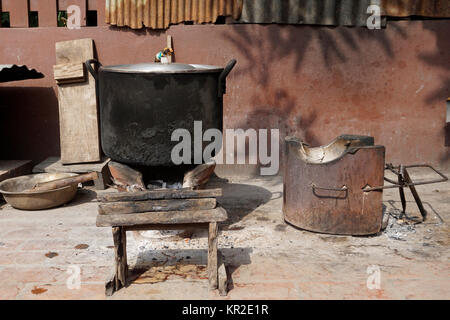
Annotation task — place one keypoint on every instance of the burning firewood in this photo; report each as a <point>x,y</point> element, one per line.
<point>126,178</point>
<point>199,176</point>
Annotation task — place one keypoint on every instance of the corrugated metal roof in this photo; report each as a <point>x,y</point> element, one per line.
<point>159,14</point>
<point>336,12</point>
<point>424,8</point>
<point>324,12</point>
<point>12,72</point>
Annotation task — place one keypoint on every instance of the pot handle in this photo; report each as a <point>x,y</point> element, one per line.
<point>91,70</point>
<point>223,76</point>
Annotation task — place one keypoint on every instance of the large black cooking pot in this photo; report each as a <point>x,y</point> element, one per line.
<point>142,104</point>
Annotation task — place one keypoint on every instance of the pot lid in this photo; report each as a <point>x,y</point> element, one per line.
<point>162,68</point>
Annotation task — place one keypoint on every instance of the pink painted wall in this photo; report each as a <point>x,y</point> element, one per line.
<point>315,82</point>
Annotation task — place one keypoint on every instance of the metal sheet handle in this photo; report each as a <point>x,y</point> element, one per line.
<point>342,189</point>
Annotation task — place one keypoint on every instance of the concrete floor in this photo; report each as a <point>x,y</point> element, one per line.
<point>267,259</point>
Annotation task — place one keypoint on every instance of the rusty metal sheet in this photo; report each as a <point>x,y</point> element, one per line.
<point>312,12</point>
<point>159,14</point>
<point>12,72</point>
<point>424,8</point>
<point>323,186</point>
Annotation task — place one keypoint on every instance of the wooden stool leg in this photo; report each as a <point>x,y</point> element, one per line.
<point>212,255</point>
<point>120,250</point>
<point>222,276</point>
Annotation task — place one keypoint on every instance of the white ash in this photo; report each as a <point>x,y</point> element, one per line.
<point>399,231</point>
<point>160,184</point>
<point>132,188</point>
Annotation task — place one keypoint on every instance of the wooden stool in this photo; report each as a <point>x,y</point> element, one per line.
<point>161,220</point>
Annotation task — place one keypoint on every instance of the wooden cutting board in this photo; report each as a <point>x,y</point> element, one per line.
<point>78,115</point>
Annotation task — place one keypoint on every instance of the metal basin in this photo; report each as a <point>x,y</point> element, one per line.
<point>13,191</point>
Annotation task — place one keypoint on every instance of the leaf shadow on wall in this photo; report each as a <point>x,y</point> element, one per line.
<point>440,59</point>
<point>263,49</point>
